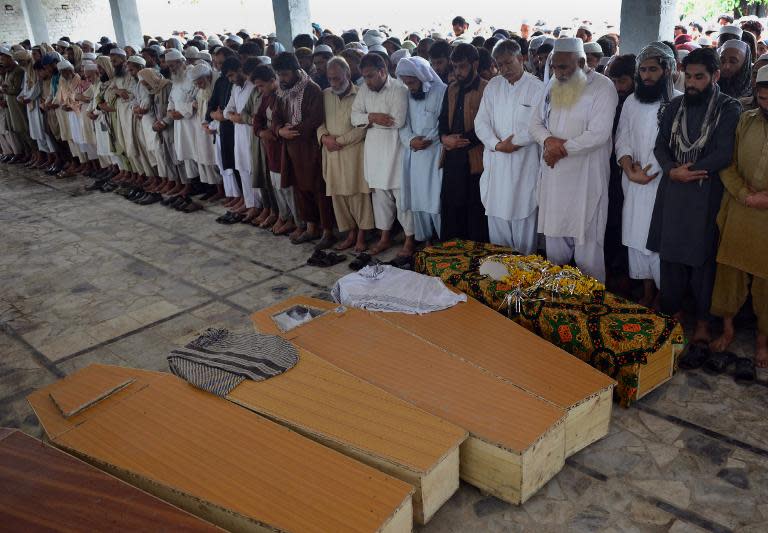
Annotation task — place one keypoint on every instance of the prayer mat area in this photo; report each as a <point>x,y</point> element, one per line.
<point>636,346</point>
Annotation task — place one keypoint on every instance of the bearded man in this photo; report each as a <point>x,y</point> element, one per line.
<point>181,112</point>
<point>420,137</point>
<point>298,114</point>
<point>735,69</point>
<point>742,257</point>
<point>635,142</point>
<point>511,158</point>
<point>694,144</point>
<point>573,124</point>
<point>343,158</point>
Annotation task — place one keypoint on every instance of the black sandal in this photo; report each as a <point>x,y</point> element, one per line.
<point>717,363</point>
<point>361,261</point>
<point>745,372</point>
<point>317,258</point>
<point>694,356</point>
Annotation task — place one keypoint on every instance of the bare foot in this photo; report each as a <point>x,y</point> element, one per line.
<point>701,334</point>
<point>347,243</point>
<point>381,246</point>
<point>722,343</point>
<point>409,247</point>
<point>761,351</point>
<point>295,234</point>
<point>269,222</point>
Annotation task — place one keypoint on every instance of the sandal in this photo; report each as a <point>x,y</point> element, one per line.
<point>317,258</point>
<point>304,237</point>
<point>403,262</point>
<point>745,371</point>
<point>717,363</point>
<point>191,207</point>
<point>694,356</point>
<point>361,261</point>
<point>321,259</point>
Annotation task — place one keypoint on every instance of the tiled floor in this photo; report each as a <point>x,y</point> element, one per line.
<point>93,278</point>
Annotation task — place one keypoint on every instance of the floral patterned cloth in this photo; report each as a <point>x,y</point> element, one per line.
<point>610,333</point>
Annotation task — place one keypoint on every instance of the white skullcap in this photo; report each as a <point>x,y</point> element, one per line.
<point>198,71</point>
<point>763,57</point>
<point>117,52</point>
<point>235,38</point>
<point>762,74</point>
<point>358,46</point>
<point>705,41</point>
<point>138,60</point>
<point>536,42</point>
<point>205,55</point>
<point>682,54</point>
<point>323,49</point>
<point>214,42</point>
<point>63,43</point>
<point>373,37</point>
<point>192,52</point>
<point>592,48</point>
<point>734,43</point>
<point>398,55</point>
<point>585,28</point>
<point>569,44</point>
<point>89,56</point>
<point>6,51</point>
<point>377,48</point>
<point>65,65</point>
<point>88,43</point>
<point>173,55</point>
<point>160,49</point>
<point>272,35</point>
<point>731,30</point>
<point>265,60</point>
<point>90,66</point>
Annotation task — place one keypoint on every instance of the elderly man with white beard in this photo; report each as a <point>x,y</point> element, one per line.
<point>181,112</point>
<point>573,122</point>
<point>511,158</point>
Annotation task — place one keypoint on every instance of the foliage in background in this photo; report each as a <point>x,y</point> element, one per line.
<point>709,9</point>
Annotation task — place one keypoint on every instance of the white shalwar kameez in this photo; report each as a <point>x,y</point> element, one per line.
<point>636,138</point>
<point>508,185</point>
<point>383,154</point>
<point>36,124</point>
<point>573,196</point>
<point>243,133</point>
<point>180,99</point>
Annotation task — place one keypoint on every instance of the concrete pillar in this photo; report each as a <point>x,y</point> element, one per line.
<point>643,21</point>
<point>125,19</point>
<point>34,17</point>
<point>291,19</point>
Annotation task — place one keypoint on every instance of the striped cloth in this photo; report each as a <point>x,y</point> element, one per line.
<point>218,360</point>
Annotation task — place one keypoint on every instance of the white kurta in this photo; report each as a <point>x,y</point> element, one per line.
<point>570,194</point>
<point>508,185</point>
<point>180,99</point>
<point>243,132</point>
<point>383,151</point>
<point>636,137</point>
<point>422,177</point>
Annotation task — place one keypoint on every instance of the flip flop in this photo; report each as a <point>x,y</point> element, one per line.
<point>717,363</point>
<point>360,262</point>
<point>317,259</point>
<point>745,372</point>
<point>695,356</point>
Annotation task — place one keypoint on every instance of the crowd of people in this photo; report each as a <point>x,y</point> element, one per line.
<point>650,167</point>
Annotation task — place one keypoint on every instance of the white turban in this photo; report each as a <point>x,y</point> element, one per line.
<point>137,60</point>
<point>373,37</point>
<point>377,48</point>
<point>569,44</point>
<point>65,65</point>
<point>205,55</point>
<point>173,55</point>
<point>762,74</point>
<point>88,43</point>
<point>420,68</point>
<point>731,30</point>
<point>90,66</point>
<point>89,56</point>
<point>734,43</point>
<point>399,55</point>
<point>358,46</point>
<point>118,52</point>
<point>192,52</point>
<point>198,71</point>
<point>63,44</point>
<point>235,38</point>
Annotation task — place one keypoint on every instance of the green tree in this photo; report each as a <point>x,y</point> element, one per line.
<point>711,8</point>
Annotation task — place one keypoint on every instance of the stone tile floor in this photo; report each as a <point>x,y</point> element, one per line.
<point>93,278</point>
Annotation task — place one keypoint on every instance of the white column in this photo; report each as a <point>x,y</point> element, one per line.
<point>125,19</point>
<point>291,19</point>
<point>34,17</point>
<point>643,21</point>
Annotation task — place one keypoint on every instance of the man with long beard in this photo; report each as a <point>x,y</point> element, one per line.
<point>511,158</point>
<point>181,112</point>
<point>462,214</point>
<point>422,177</point>
<point>635,141</point>
<point>694,144</point>
<point>735,69</point>
<point>573,124</point>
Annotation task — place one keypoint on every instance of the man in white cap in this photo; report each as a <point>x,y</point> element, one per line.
<point>122,84</point>
<point>584,33</point>
<point>320,57</point>
<point>181,112</point>
<point>422,176</point>
<point>735,69</point>
<point>573,123</point>
<point>635,142</point>
<point>594,55</point>
<point>729,32</point>
<point>137,150</point>
<point>372,37</point>
<point>12,86</point>
<point>381,106</point>
<point>87,47</point>
<point>234,42</point>
<point>750,102</point>
<point>204,78</point>
<point>511,157</point>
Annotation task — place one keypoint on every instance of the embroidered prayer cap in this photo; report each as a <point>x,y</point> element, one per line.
<point>323,49</point>
<point>420,68</point>
<point>198,71</point>
<point>218,360</point>
<point>731,30</point>
<point>235,39</point>
<point>63,43</point>
<point>192,52</point>
<point>762,75</point>
<point>138,60</point>
<point>592,48</point>
<point>173,55</point>
<point>64,65</point>
<point>118,52</point>
<point>734,43</point>
<point>572,45</point>
<point>373,37</point>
